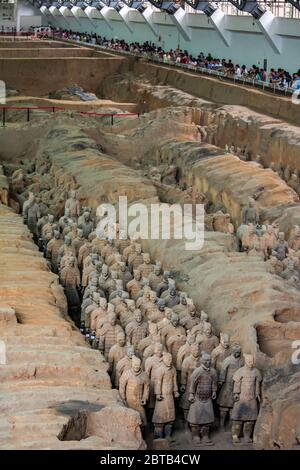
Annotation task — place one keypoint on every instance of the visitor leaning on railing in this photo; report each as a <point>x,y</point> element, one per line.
<point>277,80</point>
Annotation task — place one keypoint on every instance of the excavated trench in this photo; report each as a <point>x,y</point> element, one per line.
<point>258,309</point>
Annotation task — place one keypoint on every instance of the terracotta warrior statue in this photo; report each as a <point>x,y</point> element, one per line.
<point>189,364</point>
<point>134,388</point>
<point>165,389</point>
<point>146,267</point>
<point>124,274</point>
<point>83,252</point>
<point>173,345</point>
<point>172,297</point>
<point>164,284</point>
<point>29,201</point>
<point>190,320</point>
<point>225,397</point>
<point>135,285</point>
<point>52,251</point>
<point>98,316</point>
<point>108,334</point>
<point>73,205</point>
<point>116,353</point>
<point>172,329</point>
<point>250,214</point>
<point>119,293</point>
<point>281,248</point>
<point>31,214</point>
<point>43,220</point>
<point>70,280</point>
<point>144,297</point>
<point>78,241</point>
<point>222,223</point>
<point>104,278</point>
<point>129,250</point>
<point>124,311</point>
<point>136,258</point>
<point>249,239</point>
<point>184,351</point>
<point>88,300</point>
<point>47,229</point>
<point>122,242</point>
<point>66,251</point>
<point>156,276</point>
<point>136,330</point>
<point>220,353</point>
<point>268,241</point>
<point>65,221</point>
<point>247,395</point>
<point>124,364</point>
<point>89,315</point>
<point>208,341</point>
<point>182,309</point>
<point>87,225</point>
<point>202,391</point>
<point>89,268</point>
<point>150,340</point>
<point>150,308</point>
<point>289,271</point>
<point>204,320</point>
<point>152,363</point>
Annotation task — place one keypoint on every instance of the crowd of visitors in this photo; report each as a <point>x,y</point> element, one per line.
<point>280,77</point>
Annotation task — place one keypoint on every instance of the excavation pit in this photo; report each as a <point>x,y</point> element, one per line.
<point>164,142</point>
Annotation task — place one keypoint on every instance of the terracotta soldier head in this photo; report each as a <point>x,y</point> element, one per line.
<point>236,350</point>
<point>136,364</point>
<point>183,298</point>
<point>137,274</point>
<point>158,349</point>
<point>138,316</point>
<point>224,340</point>
<point>152,296</point>
<point>56,234</point>
<point>167,360</point>
<point>112,318</point>
<point>249,361</point>
<point>174,319</point>
<point>68,240</point>
<point>121,339</point>
<point>103,303</point>
<point>207,330</point>
<point>130,351</point>
<point>205,360</point>
<point>146,258</point>
<point>195,350</point>
<point>71,261</point>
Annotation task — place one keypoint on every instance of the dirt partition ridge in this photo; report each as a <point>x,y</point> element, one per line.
<point>273,139</point>
<point>220,91</point>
